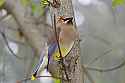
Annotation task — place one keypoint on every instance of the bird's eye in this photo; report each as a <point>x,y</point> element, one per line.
<point>68,20</point>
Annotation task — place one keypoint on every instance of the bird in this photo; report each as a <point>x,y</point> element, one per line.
<point>66,36</point>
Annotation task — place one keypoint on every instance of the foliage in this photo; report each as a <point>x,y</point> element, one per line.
<point>116,3</point>
<point>44,3</point>
<point>25,2</point>
<point>2,2</point>
<point>36,7</point>
<point>57,80</point>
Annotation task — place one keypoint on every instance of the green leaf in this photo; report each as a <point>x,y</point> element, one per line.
<point>39,9</point>
<point>116,3</point>
<point>57,80</point>
<point>25,2</point>
<point>34,7</point>
<point>44,3</point>
<point>2,2</point>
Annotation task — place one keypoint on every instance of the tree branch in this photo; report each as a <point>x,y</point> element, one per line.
<point>100,56</point>
<point>6,43</point>
<point>108,69</point>
<point>87,74</point>
<point>30,30</point>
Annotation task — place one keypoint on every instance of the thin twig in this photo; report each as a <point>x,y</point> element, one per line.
<point>87,74</point>
<point>71,48</point>
<point>56,35</point>
<point>26,79</point>
<point>11,39</point>
<point>107,70</point>
<point>6,42</point>
<point>5,38</point>
<point>100,56</point>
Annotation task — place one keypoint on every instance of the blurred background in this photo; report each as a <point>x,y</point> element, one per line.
<point>102,35</point>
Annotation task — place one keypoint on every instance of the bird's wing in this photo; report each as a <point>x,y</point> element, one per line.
<point>65,50</point>
<point>42,62</point>
<point>51,50</point>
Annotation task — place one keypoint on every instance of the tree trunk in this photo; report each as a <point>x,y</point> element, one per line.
<point>72,61</point>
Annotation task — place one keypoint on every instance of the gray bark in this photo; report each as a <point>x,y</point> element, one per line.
<point>72,61</point>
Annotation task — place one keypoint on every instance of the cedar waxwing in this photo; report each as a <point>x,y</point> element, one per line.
<point>66,36</point>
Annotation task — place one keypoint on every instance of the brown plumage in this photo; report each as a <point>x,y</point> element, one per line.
<point>67,33</point>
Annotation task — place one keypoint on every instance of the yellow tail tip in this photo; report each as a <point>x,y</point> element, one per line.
<point>33,77</point>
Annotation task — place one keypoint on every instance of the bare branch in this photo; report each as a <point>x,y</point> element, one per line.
<point>100,56</point>
<point>30,30</point>
<point>26,79</point>
<point>87,74</point>
<point>6,42</point>
<point>108,69</point>
<point>16,40</point>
